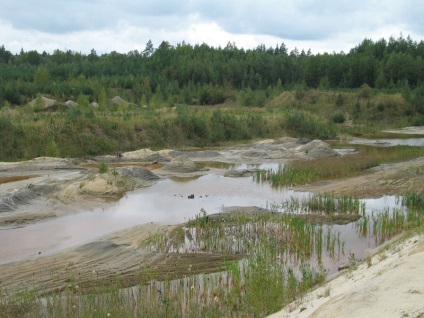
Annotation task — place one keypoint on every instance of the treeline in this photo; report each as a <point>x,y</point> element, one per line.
<point>202,74</point>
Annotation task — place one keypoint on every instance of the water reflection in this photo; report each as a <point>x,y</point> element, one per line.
<point>389,142</point>
<point>165,202</point>
<point>240,166</point>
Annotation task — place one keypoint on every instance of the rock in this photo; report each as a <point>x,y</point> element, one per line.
<point>183,164</point>
<point>94,105</point>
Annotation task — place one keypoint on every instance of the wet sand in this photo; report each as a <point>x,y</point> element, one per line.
<point>98,258</point>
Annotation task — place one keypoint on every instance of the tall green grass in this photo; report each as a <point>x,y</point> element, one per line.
<point>383,225</point>
<point>302,172</point>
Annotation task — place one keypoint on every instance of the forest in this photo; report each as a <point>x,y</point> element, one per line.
<point>204,75</point>
<point>185,95</point>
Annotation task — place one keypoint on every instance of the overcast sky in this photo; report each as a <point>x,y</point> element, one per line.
<point>126,25</point>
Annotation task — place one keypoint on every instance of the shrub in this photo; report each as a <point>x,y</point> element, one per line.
<point>339,100</point>
<point>365,91</point>
<point>103,167</point>
<point>338,118</point>
<point>303,125</point>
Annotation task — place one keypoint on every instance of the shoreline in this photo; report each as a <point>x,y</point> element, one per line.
<point>387,284</point>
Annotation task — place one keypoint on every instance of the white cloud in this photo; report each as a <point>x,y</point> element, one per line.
<point>125,25</point>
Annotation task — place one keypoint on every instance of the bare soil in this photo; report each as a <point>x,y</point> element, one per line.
<point>99,262</point>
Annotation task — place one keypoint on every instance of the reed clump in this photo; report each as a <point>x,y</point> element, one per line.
<point>303,172</point>
<point>383,225</point>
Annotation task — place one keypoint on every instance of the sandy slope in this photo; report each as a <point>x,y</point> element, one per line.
<point>393,286</point>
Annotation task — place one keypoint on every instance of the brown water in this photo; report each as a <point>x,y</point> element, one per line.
<point>167,203</point>
<point>16,178</point>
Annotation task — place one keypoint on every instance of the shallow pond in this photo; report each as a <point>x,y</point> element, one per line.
<point>167,203</point>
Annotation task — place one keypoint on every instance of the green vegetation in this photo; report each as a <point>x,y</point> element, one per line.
<point>203,96</point>
<point>282,260</point>
<point>103,167</point>
<point>302,172</point>
<point>391,222</point>
<point>219,95</point>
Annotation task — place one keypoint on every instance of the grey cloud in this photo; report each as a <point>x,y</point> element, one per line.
<point>288,19</point>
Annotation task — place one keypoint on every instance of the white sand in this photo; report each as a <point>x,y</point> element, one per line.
<point>393,286</point>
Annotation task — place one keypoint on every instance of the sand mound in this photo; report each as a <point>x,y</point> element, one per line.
<point>71,103</point>
<point>148,155</point>
<point>47,102</point>
<point>11,200</point>
<point>317,149</point>
<point>118,101</point>
<point>183,164</point>
<point>40,163</point>
<point>117,181</point>
<point>138,174</point>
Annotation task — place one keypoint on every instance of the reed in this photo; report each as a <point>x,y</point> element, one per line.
<point>303,172</point>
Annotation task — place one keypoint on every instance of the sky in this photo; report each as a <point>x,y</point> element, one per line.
<point>127,25</point>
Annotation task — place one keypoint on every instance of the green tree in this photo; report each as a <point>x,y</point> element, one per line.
<point>41,76</point>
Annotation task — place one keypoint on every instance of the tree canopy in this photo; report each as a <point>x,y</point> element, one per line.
<point>200,73</point>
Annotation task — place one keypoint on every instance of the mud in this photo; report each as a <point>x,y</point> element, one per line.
<point>99,262</point>
<point>65,187</point>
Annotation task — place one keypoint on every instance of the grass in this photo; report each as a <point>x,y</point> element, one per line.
<point>388,223</point>
<point>281,261</point>
<point>303,172</point>
<point>87,132</point>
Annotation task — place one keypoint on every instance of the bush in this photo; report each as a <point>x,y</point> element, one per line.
<point>211,95</point>
<point>304,125</point>
<point>103,168</point>
<point>338,118</point>
<point>365,91</point>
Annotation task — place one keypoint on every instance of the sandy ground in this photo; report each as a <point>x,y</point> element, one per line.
<point>393,286</point>
<point>389,284</point>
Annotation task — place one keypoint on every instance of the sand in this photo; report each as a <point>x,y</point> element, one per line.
<point>389,284</point>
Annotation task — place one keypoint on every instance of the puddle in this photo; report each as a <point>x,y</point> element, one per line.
<point>16,178</point>
<point>152,166</point>
<point>417,142</point>
<point>239,166</point>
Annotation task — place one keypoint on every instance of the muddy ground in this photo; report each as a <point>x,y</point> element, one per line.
<point>58,187</point>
